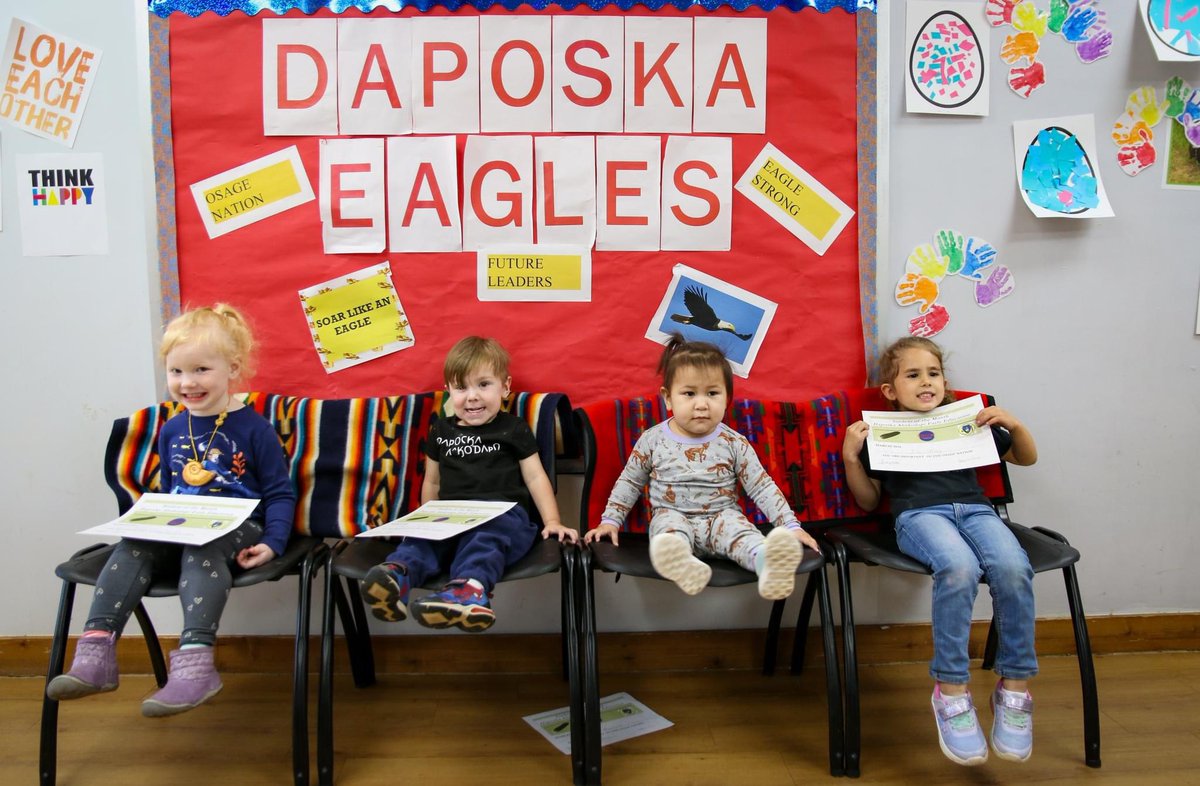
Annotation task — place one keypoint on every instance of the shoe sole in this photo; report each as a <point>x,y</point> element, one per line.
<point>382,595</point>
<point>452,615</point>
<point>782,554</point>
<point>157,709</point>
<point>66,687</point>
<point>673,559</point>
<point>974,761</point>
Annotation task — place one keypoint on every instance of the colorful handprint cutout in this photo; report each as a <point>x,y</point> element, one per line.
<point>1133,131</point>
<point>1081,23</point>
<point>931,265</point>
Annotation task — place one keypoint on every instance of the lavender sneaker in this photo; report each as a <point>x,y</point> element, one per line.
<point>192,680</point>
<point>94,669</point>
<point>958,728</point>
<point>1012,724</point>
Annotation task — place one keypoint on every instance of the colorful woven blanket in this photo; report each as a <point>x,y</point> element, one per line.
<point>799,444</point>
<point>356,463</point>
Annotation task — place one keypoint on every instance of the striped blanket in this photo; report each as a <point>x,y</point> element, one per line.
<point>356,463</point>
<point>799,444</point>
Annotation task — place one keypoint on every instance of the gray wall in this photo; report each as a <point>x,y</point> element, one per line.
<point>1094,350</point>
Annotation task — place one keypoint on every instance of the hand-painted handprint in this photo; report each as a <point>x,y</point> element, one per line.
<point>999,285</point>
<point>1058,14</point>
<point>1028,19</point>
<point>979,254</point>
<point>950,246</point>
<point>1134,158</point>
<point>1191,107</point>
<point>1191,129</point>
<point>930,323</point>
<point>1020,45</point>
<point>999,12</point>
<point>1096,47</point>
<point>924,261</point>
<point>1143,105</point>
<point>1128,130</point>
<point>1177,92</point>
<point>915,288</point>
<point>1082,18</point>
<point>1024,81</point>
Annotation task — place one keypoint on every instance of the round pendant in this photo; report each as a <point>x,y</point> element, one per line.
<point>194,474</point>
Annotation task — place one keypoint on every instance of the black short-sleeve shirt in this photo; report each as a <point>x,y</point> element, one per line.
<point>482,462</point>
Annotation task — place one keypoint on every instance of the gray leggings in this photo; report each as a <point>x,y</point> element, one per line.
<point>205,579</point>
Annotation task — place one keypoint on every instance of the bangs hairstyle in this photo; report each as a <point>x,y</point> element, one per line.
<point>471,354</point>
<point>889,361</point>
<point>701,355</point>
<point>221,328</point>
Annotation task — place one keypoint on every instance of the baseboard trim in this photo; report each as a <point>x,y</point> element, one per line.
<point>456,653</point>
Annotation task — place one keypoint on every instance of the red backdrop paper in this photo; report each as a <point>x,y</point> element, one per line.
<point>588,350</point>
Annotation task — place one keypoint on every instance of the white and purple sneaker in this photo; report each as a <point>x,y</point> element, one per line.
<point>958,728</point>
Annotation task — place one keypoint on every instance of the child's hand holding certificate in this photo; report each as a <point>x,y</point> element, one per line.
<point>945,438</point>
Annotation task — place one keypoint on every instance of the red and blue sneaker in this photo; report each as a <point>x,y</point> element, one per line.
<point>460,604</point>
<point>385,588</point>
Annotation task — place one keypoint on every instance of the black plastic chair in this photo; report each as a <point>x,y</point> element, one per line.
<point>349,561</point>
<point>873,541</point>
<point>304,555</point>
<point>632,558</point>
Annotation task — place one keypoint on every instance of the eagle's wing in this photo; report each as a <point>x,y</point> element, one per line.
<point>697,303</point>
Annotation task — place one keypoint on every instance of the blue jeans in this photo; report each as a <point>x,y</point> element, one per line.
<point>962,544</point>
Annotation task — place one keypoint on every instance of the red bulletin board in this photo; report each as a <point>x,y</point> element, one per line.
<point>589,350</point>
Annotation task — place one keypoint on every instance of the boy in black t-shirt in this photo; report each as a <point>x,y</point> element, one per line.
<point>480,453</point>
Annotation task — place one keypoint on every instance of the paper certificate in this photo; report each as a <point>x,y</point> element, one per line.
<point>179,518</point>
<point>622,717</point>
<point>440,519</point>
<point>943,439</point>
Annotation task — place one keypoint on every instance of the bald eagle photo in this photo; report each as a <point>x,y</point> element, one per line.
<point>701,314</point>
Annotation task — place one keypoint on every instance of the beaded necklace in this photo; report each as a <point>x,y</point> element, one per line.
<point>194,473</point>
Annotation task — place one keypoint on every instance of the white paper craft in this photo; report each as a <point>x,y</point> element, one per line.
<point>440,519</point>
<point>947,46</point>
<point>942,439</point>
<point>47,81</point>
<point>1173,28</point>
<point>178,518</point>
<point>63,204</point>
<point>621,717</point>
<point>1058,170</point>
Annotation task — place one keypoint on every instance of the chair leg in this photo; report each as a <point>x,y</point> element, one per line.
<point>300,770</point>
<point>1087,671</point>
<point>153,647</point>
<point>571,662</point>
<point>800,643</point>
<point>566,616</point>
<point>335,601</point>
<point>362,655</point>
<point>989,647</point>
<point>771,650</point>
<point>833,682</point>
<point>591,684</point>
<point>853,740</point>
<point>48,753</point>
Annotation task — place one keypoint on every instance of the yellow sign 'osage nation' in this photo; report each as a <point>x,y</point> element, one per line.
<point>251,192</point>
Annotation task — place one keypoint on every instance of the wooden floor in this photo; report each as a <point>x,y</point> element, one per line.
<point>731,728</point>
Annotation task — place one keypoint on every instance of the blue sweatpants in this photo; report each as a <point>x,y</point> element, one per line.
<point>481,553</point>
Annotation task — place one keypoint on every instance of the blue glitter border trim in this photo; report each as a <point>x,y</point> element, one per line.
<point>164,168</point>
<point>164,8</point>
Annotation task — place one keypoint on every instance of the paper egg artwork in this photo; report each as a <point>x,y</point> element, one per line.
<point>946,64</point>
<point>1176,23</point>
<point>1057,174</point>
